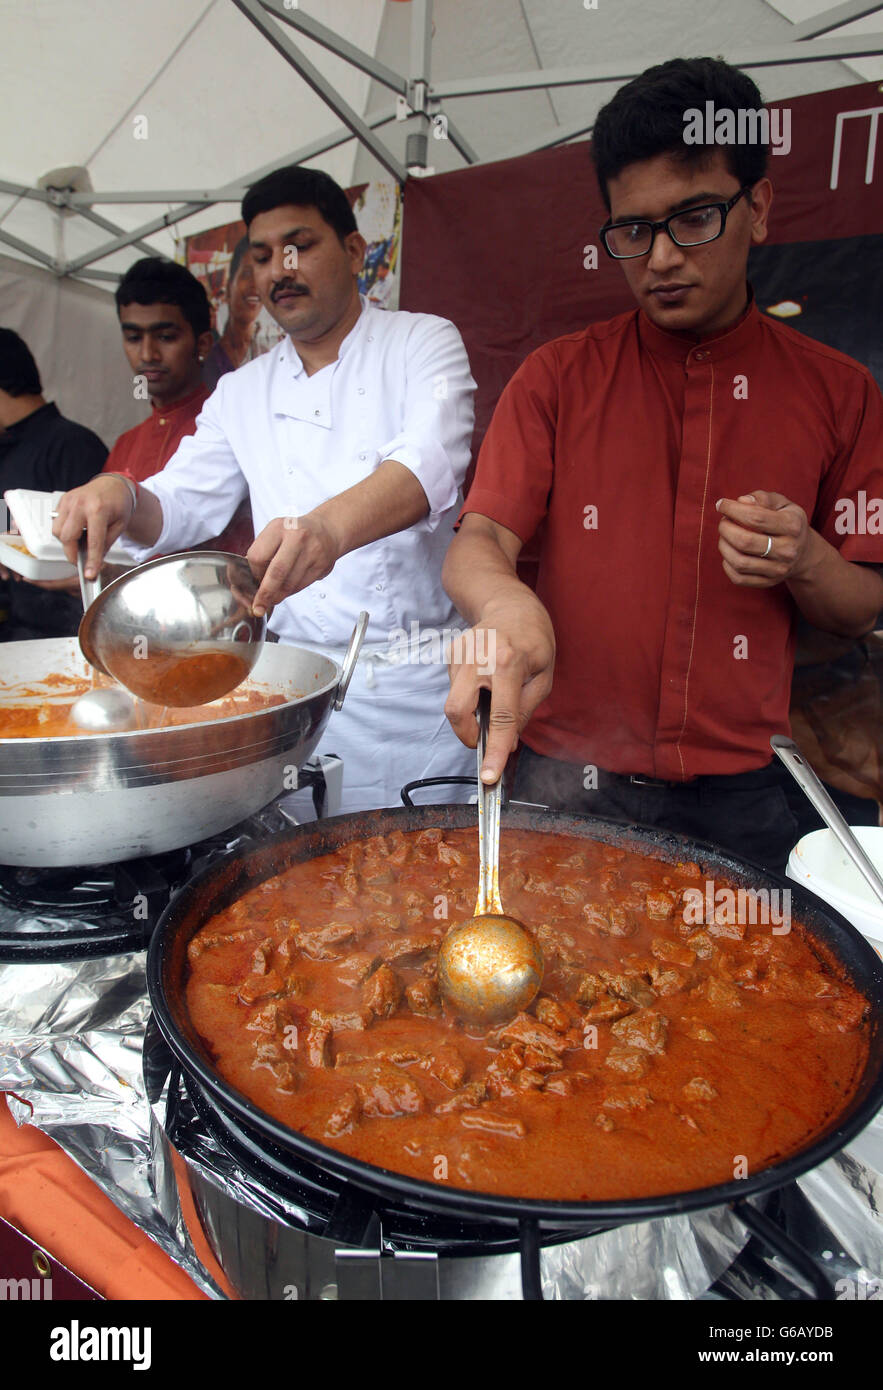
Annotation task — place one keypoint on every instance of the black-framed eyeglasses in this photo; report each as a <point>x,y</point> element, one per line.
<point>692,227</point>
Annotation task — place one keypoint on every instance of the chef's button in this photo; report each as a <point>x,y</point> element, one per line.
<point>378,587</point>
<point>363,457</point>
<point>361,390</point>
<point>321,595</point>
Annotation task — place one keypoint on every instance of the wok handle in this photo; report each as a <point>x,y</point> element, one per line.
<point>787,1249</point>
<point>806,779</point>
<point>409,787</point>
<point>349,661</point>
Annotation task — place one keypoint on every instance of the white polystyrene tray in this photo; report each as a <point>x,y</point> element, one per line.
<point>33,514</point>
<point>13,556</point>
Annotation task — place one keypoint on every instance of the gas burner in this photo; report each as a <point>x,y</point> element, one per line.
<point>101,910</point>
<point>78,892</point>
<point>63,914</point>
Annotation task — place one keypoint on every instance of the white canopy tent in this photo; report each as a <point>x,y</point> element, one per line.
<point>173,109</point>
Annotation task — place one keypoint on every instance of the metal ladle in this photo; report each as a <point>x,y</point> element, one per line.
<point>176,631</point>
<point>179,630</point>
<point>806,779</point>
<point>490,967</point>
<point>110,710</point>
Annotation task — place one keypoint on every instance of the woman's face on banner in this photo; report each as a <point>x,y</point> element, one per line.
<point>242,296</point>
<point>698,289</point>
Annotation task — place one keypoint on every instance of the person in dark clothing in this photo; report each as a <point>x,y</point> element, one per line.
<point>43,451</point>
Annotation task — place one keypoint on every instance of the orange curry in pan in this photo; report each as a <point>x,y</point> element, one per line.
<point>46,713</point>
<point>669,1048</point>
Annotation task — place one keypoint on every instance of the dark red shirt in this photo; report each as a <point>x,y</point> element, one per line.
<point>664,666</point>
<point>147,448</point>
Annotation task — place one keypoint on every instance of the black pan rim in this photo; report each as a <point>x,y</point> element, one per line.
<point>408,1190</point>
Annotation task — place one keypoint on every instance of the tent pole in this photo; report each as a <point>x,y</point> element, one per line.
<point>26,250</point>
<point>459,141</point>
<point>229,192</point>
<point>108,226</point>
<point>321,34</point>
<point>420,70</point>
<point>157,224</point>
<point>313,78</point>
<point>623,70</point>
<point>832,19</point>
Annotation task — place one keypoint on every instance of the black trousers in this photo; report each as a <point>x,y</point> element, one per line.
<point>758,815</point>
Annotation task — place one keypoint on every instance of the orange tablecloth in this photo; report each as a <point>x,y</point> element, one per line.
<point>45,1195</point>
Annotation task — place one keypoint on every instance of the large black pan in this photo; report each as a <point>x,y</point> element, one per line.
<point>227,880</point>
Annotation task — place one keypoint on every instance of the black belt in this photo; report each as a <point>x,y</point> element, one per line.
<point>768,776</point>
<point>640,780</point>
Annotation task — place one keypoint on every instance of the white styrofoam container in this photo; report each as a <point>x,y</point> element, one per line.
<point>15,556</point>
<point>820,863</point>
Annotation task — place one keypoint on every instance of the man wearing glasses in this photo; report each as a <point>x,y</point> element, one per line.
<point>681,465</point>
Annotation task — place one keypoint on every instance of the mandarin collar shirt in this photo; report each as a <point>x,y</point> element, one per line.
<point>400,389</point>
<point>613,445</point>
<point>146,448</point>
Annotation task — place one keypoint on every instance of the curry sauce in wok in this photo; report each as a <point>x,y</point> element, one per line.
<point>27,712</point>
<point>681,1038</point>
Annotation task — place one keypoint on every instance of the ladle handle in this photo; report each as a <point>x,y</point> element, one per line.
<point>809,783</point>
<point>89,588</point>
<point>349,661</point>
<point>489,801</point>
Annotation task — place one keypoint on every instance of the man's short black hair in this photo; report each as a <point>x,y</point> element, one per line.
<point>156,280</point>
<point>302,188</point>
<point>646,118</point>
<point>18,370</point>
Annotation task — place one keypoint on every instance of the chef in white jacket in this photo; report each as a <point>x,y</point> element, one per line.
<point>351,439</point>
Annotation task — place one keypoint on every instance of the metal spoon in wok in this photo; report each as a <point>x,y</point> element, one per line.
<point>104,709</point>
<point>490,967</point>
<point>789,753</point>
<point>177,631</point>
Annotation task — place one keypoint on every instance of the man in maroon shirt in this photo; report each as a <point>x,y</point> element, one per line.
<point>165,322</point>
<point>682,466</point>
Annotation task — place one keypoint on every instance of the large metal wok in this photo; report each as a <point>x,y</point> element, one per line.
<point>227,880</point>
<point>100,798</point>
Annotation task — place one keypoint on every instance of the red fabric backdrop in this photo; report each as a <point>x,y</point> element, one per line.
<point>498,248</point>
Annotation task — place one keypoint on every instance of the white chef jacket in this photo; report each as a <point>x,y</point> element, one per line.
<point>400,389</point>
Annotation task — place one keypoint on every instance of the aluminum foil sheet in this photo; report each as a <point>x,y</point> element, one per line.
<point>71,1040</point>
<point>70,1057</point>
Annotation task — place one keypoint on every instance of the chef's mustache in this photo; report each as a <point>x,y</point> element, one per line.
<point>281,286</point>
